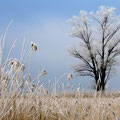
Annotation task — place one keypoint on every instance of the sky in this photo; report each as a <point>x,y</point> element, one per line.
<point>45,23</point>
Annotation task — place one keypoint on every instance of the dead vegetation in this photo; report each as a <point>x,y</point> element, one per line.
<point>79,106</point>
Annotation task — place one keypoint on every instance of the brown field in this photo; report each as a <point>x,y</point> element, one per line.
<point>67,106</point>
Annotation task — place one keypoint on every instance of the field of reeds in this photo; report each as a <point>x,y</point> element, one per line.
<point>23,98</point>
<point>67,106</point>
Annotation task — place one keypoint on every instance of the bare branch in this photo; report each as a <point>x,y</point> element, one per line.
<point>110,35</point>
<point>76,54</point>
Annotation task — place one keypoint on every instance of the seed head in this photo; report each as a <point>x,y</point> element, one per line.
<point>15,64</point>
<point>12,62</point>
<point>70,76</point>
<point>29,78</point>
<point>33,85</point>
<point>32,45</point>
<point>44,72</point>
<point>22,68</point>
<point>35,47</point>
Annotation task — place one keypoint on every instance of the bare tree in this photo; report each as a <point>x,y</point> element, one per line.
<point>99,44</point>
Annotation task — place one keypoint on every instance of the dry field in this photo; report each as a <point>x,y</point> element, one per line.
<point>67,106</point>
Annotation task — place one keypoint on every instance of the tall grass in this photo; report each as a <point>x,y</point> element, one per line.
<point>23,98</point>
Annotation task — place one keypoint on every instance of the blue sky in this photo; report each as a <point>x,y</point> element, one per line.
<point>45,23</point>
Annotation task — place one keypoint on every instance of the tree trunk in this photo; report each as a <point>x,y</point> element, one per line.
<point>100,86</point>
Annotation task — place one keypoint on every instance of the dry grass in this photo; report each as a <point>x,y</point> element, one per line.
<point>61,107</point>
